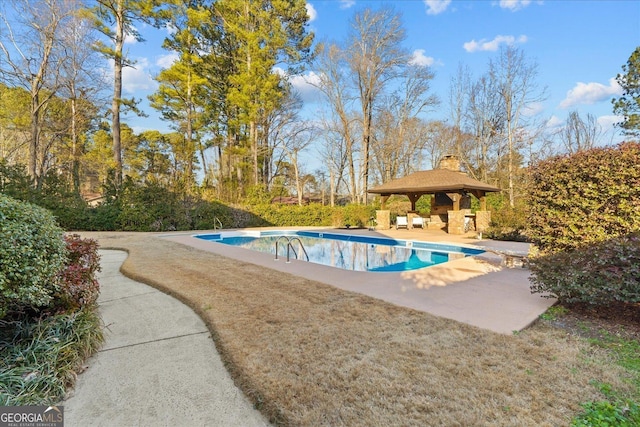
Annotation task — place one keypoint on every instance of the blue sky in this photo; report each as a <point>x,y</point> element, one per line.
<point>578,46</point>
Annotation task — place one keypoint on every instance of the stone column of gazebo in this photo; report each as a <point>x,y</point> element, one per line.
<point>451,203</point>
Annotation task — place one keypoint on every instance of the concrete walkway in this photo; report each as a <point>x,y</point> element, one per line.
<point>158,367</point>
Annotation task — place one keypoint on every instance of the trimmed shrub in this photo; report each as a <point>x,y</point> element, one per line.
<point>585,220</point>
<point>204,215</point>
<point>607,272</point>
<point>289,215</point>
<point>355,215</point>
<point>151,207</point>
<point>79,286</point>
<point>507,223</point>
<point>585,198</point>
<point>32,253</point>
<point>104,217</point>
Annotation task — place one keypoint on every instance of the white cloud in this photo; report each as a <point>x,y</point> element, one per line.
<point>591,93</point>
<point>138,78</point>
<point>514,5</point>
<point>493,45</point>
<point>533,109</point>
<point>346,4</point>
<point>165,61</point>
<point>608,122</point>
<point>170,28</point>
<point>130,38</point>
<point>418,58</point>
<point>554,123</point>
<point>435,7</point>
<point>280,71</point>
<point>311,12</point>
<point>304,85</point>
<point>312,78</point>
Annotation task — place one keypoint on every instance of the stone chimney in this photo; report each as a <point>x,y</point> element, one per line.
<point>451,163</point>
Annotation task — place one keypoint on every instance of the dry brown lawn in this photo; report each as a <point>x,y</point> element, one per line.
<point>308,354</point>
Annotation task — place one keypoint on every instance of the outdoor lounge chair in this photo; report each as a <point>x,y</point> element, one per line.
<point>401,221</point>
<point>417,221</point>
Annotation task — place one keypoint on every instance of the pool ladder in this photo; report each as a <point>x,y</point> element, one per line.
<point>217,223</point>
<point>290,241</point>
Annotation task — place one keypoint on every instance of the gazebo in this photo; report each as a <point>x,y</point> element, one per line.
<point>451,204</point>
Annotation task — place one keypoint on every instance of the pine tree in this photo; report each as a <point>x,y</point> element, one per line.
<point>265,34</point>
<point>628,105</point>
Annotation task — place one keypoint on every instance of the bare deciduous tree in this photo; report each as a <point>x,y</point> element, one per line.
<point>400,133</point>
<point>31,56</point>
<point>80,84</point>
<point>289,136</point>
<point>516,82</point>
<point>332,66</point>
<point>578,134</point>
<point>485,116</point>
<point>376,57</point>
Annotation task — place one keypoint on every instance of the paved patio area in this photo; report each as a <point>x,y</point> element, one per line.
<point>480,291</point>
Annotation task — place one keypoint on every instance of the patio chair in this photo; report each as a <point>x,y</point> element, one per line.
<point>417,221</point>
<point>401,222</point>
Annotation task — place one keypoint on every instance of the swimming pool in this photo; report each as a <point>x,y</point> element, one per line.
<point>346,251</point>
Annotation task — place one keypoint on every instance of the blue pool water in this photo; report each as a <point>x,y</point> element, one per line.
<point>349,252</point>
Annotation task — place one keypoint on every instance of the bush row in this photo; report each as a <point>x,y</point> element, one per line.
<point>608,272</point>
<point>153,207</point>
<point>585,220</point>
<point>588,197</point>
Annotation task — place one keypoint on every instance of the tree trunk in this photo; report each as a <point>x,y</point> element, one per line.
<point>117,92</point>
<point>332,189</point>
<point>35,129</point>
<point>352,171</point>
<point>75,150</point>
<point>254,150</point>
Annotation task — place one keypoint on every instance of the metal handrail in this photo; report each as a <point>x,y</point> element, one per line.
<point>277,241</point>
<point>216,220</point>
<point>290,247</point>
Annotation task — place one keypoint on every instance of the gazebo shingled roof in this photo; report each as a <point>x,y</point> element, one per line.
<point>431,182</point>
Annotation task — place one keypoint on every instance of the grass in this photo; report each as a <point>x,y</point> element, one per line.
<point>308,354</point>
<point>620,409</point>
<point>39,360</point>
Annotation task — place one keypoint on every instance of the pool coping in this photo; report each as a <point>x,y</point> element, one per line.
<point>478,290</point>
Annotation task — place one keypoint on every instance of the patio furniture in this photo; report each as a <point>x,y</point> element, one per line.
<point>417,221</point>
<point>401,222</point>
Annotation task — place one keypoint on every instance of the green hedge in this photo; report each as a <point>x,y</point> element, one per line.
<point>608,272</point>
<point>309,215</point>
<point>585,219</point>
<point>585,198</point>
<point>32,253</point>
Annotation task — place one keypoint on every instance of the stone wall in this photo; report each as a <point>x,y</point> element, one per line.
<point>483,219</point>
<point>456,222</point>
<point>383,220</point>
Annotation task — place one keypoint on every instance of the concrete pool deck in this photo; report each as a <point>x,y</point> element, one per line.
<point>160,366</point>
<point>481,291</point>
